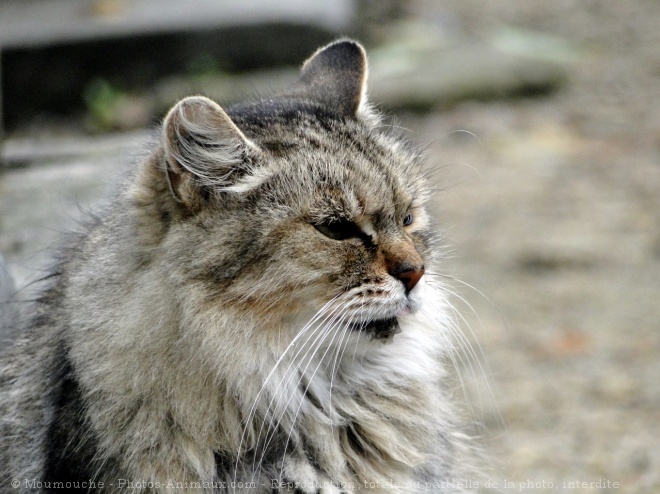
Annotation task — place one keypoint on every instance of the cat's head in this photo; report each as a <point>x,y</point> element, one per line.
<point>299,203</point>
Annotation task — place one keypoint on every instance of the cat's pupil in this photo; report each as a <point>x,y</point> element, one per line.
<point>339,229</point>
<point>407,221</point>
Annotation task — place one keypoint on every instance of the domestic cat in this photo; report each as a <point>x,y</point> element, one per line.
<point>257,310</point>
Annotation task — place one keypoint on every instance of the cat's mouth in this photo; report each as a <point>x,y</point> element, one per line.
<point>379,329</point>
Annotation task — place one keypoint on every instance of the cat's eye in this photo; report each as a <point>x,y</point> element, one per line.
<point>339,229</point>
<point>407,221</point>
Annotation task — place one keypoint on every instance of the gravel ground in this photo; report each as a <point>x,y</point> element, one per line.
<point>552,209</point>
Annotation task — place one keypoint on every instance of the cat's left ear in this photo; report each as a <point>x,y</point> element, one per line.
<point>337,76</point>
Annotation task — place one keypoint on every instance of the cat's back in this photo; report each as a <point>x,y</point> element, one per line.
<point>33,365</point>
<point>28,385</point>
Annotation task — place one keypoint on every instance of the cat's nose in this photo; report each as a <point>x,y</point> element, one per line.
<point>408,274</point>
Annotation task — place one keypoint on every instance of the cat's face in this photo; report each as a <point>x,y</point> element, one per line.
<point>299,205</point>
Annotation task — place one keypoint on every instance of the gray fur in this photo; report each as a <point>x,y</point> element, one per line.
<point>8,312</point>
<point>205,329</point>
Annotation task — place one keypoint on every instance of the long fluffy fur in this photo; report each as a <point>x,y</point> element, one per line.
<point>203,331</point>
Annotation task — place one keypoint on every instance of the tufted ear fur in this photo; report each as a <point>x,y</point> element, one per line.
<point>337,76</point>
<point>204,149</point>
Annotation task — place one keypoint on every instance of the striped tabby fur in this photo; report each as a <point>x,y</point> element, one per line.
<point>255,311</point>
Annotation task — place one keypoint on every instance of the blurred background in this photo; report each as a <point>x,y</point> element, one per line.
<point>541,121</point>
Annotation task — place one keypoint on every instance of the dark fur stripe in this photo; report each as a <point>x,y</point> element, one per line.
<point>70,447</point>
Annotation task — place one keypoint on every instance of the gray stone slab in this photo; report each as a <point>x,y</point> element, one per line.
<point>40,203</point>
<point>25,23</point>
<point>30,150</point>
<point>399,78</point>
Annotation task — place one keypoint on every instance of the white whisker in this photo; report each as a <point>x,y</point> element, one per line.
<point>334,334</point>
<point>252,410</point>
<point>323,330</point>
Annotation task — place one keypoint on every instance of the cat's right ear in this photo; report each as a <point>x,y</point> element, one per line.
<point>204,150</point>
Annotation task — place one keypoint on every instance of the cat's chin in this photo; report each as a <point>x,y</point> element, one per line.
<point>380,329</point>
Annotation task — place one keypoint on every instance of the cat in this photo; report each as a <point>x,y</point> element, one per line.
<point>259,309</point>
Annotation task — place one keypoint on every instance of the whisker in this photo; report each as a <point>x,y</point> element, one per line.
<point>477,363</point>
<point>252,410</point>
<point>346,335</point>
<point>324,330</point>
<point>334,334</point>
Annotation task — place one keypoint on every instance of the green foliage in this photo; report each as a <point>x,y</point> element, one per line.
<point>102,99</point>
